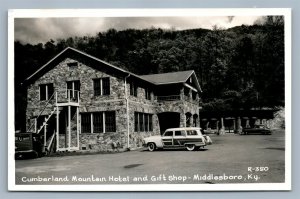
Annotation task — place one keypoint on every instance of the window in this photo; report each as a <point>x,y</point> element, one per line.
<point>105,86</point>
<point>168,133</point>
<point>143,122</point>
<point>85,123</point>
<point>150,122</point>
<point>97,87</point>
<point>101,86</point>
<point>136,122</point>
<point>146,121</point>
<point>46,91</point>
<point>98,122</point>
<point>72,64</point>
<point>147,93</point>
<point>191,132</point>
<point>133,89</point>
<point>73,88</point>
<point>179,133</point>
<point>110,121</point>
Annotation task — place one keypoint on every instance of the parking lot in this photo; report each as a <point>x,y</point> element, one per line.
<point>232,158</point>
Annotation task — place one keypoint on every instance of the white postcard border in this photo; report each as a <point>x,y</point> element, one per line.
<point>44,13</point>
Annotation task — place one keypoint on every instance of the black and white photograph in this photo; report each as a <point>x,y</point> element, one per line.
<point>149,100</point>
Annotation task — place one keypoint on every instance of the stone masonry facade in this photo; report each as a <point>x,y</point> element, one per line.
<point>119,101</point>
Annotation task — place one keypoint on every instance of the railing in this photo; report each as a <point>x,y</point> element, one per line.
<point>67,96</point>
<point>52,96</point>
<point>61,96</point>
<point>169,98</point>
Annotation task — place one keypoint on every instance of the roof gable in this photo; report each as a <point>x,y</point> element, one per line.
<point>65,53</point>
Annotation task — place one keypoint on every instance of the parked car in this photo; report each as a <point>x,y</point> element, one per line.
<point>28,145</point>
<point>190,138</point>
<point>257,129</point>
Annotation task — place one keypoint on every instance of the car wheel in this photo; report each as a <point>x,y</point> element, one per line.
<point>151,146</point>
<point>190,147</point>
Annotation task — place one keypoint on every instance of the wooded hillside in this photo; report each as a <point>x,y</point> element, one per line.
<point>238,68</point>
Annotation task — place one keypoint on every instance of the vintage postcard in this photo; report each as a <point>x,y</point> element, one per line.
<point>149,100</point>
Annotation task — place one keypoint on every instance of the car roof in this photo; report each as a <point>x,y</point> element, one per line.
<point>183,128</point>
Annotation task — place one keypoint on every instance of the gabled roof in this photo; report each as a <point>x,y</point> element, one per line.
<point>67,50</point>
<point>172,78</point>
<point>156,79</point>
<point>168,78</point>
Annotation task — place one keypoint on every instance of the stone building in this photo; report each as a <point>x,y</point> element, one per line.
<point>79,102</point>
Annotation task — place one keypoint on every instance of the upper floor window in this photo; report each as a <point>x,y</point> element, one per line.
<point>102,86</point>
<point>73,88</point>
<point>133,89</point>
<point>147,93</point>
<point>46,91</point>
<point>72,64</point>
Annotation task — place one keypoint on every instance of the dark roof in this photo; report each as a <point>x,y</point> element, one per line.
<point>172,78</point>
<point>168,78</point>
<point>156,79</point>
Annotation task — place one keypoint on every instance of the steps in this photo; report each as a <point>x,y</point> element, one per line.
<point>49,144</point>
<point>46,120</point>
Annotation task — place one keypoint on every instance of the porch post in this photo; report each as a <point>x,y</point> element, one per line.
<point>239,125</point>
<point>45,134</point>
<point>247,123</point>
<point>57,128</point>
<point>191,121</point>
<point>35,125</point>
<point>77,112</point>
<point>69,118</point>
<point>235,127</point>
<point>222,130</point>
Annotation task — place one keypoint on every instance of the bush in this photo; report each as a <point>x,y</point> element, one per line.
<point>279,119</point>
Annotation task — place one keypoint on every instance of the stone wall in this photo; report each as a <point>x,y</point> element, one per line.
<point>136,138</point>
<point>116,101</point>
<point>62,73</point>
<point>102,141</point>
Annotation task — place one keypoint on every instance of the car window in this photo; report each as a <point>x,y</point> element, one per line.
<point>168,133</point>
<point>179,133</point>
<point>191,132</point>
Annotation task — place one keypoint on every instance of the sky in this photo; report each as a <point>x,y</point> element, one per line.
<point>41,30</point>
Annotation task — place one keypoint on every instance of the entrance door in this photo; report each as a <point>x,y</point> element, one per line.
<point>168,120</point>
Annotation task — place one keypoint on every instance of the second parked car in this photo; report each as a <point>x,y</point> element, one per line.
<point>257,129</point>
<point>190,138</point>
